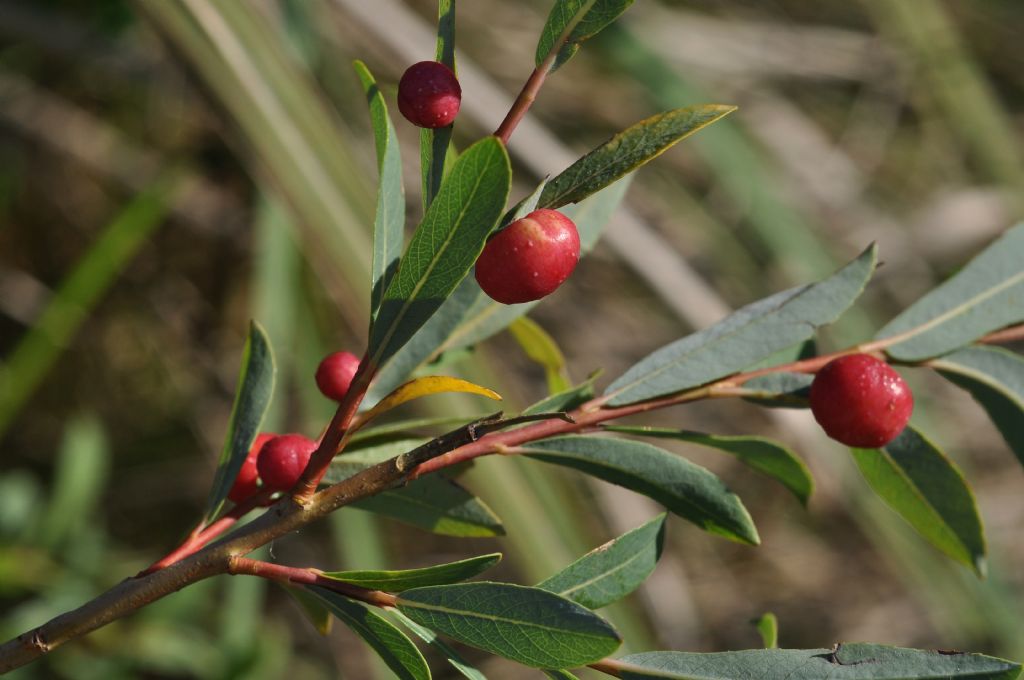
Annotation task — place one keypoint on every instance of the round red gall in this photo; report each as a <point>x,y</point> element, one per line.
<point>282,460</point>
<point>247,481</point>
<point>429,95</point>
<point>861,401</point>
<point>530,258</point>
<point>335,373</point>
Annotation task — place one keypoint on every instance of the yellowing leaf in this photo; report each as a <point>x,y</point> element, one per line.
<point>541,348</point>
<point>422,387</point>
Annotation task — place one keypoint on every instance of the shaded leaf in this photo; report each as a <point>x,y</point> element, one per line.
<point>255,387</point>
<point>435,143</point>
<point>422,387</point>
<point>454,658</point>
<point>567,400</point>
<point>995,378</point>
<point>445,245</point>
<point>986,295</point>
<point>779,390</point>
<point>745,336</point>
<point>528,625</point>
<point>768,627</point>
<point>389,220</point>
<point>927,489</point>
<point>612,571</point>
<point>573,21</point>
<point>627,151</point>
<point>395,581</point>
<point>542,349</point>
<point>313,607</point>
<point>402,429</point>
<point>688,490</point>
<point>760,453</point>
<point>391,644</point>
<point>853,661</point>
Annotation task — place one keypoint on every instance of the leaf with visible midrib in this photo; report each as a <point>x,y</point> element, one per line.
<point>395,581</point>
<point>391,644</point>
<point>627,151</point>
<point>986,295</point>
<point>429,636</point>
<point>445,245</point>
<point>760,453</point>
<point>688,490</point>
<point>612,571</point>
<point>583,19</point>
<point>255,388</point>
<point>848,661</point>
<point>995,378</point>
<point>744,337</point>
<point>390,216</point>
<point>927,489</point>
<point>528,625</point>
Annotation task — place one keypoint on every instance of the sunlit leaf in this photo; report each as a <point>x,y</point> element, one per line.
<point>986,295</point>
<point>422,387</point>
<point>542,348</point>
<point>528,625</point>
<point>255,387</point>
<point>927,489</point>
<point>612,571</point>
<point>688,490</point>
<point>768,628</point>
<point>573,21</point>
<point>395,581</point>
<point>744,337</point>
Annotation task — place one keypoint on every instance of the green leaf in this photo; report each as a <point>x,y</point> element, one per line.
<point>445,245</point>
<point>255,387</point>
<point>528,625</point>
<point>760,453</point>
<point>435,143</point>
<point>542,349</point>
<point>567,400</point>
<point>987,294</point>
<point>744,337</point>
<point>926,488</point>
<point>612,571</point>
<point>627,151</point>
<point>391,644</point>
<point>779,390</point>
<point>397,581</point>
<point>995,378</point>
<point>686,489</point>
<point>401,429</point>
<point>454,658</point>
<point>768,627</point>
<point>313,607</point>
<point>390,216</point>
<point>570,23</point>
<point>853,661</point>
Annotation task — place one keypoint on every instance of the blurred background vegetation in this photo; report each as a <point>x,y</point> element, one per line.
<point>171,168</point>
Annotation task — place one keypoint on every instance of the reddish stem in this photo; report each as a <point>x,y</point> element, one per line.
<point>312,577</point>
<point>524,101</point>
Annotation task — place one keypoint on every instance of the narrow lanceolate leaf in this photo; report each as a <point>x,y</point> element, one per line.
<point>528,625</point>
<point>627,151</point>
<point>445,245</point>
<point>390,217</point>
<point>612,571</point>
<point>686,489</point>
<point>542,349</point>
<point>852,661</point>
<point>566,400</point>
<point>573,21</point>
<point>252,397</point>
<point>995,378</point>
<point>422,387</point>
<point>435,143</point>
<point>768,628</point>
<point>762,454</point>
<point>391,644</point>
<point>431,638</point>
<point>744,337</point>
<point>399,580</point>
<point>984,296</point>
<point>926,488</point>
<point>779,390</point>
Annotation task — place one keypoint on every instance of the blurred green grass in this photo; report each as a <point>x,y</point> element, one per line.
<point>921,106</point>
